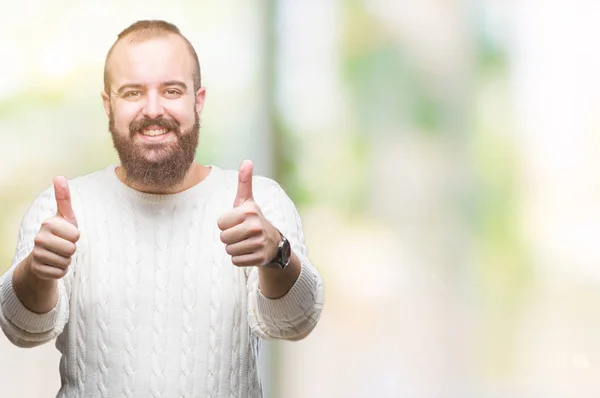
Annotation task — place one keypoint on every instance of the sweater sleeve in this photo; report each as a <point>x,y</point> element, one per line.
<point>295,315</point>
<point>21,326</point>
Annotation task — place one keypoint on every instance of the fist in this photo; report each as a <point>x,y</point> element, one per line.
<point>54,245</point>
<point>249,238</point>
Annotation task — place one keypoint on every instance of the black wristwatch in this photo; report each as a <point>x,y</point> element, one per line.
<point>283,256</point>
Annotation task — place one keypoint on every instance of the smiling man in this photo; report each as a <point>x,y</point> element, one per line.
<point>159,276</point>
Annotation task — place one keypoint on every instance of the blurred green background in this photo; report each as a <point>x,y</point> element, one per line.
<point>443,155</point>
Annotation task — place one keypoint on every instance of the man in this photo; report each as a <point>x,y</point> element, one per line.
<point>159,277</point>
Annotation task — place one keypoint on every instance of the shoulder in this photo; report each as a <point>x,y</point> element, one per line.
<point>45,201</point>
<point>90,180</point>
<point>264,189</point>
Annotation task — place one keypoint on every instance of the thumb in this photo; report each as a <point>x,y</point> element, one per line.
<point>244,191</point>
<point>63,200</point>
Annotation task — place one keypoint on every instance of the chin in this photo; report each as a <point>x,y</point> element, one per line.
<point>156,154</point>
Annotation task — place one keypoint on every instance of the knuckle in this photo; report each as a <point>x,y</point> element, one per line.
<point>54,273</point>
<point>41,271</point>
<point>259,242</point>
<point>58,273</point>
<point>71,249</point>
<point>34,267</point>
<point>221,222</point>
<point>264,240</point>
<point>262,259</point>
<point>36,254</point>
<point>47,223</point>
<point>250,209</point>
<point>38,240</point>
<point>255,227</point>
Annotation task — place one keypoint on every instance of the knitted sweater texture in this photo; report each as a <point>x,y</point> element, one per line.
<point>152,305</point>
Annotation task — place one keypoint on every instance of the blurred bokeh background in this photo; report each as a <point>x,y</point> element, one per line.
<point>444,156</point>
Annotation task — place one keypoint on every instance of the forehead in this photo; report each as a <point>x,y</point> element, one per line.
<point>150,61</point>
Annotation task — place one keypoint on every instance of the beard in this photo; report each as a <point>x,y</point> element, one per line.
<point>156,165</point>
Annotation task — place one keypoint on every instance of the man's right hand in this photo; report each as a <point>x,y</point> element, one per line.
<point>55,242</point>
<point>35,280</point>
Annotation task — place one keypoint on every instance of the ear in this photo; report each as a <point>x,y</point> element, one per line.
<point>105,102</point>
<point>200,96</point>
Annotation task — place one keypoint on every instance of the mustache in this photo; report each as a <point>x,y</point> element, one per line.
<point>141,124</point>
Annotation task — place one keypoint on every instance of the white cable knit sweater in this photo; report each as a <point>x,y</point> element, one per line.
<point>152,305</point>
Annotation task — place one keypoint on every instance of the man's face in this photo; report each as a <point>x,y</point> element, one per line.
<point>153,109</point>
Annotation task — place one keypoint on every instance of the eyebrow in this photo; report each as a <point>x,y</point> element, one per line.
<point>129,86</point>
<point>177,83</point>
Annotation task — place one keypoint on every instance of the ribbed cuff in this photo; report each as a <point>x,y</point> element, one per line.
<point>297,301</point>
<point>22,317</point>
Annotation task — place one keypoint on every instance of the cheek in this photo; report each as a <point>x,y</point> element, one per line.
<point>183,113</point>
<point>124,114</point>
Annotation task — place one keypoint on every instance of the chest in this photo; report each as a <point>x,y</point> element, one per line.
<point>158,269</point>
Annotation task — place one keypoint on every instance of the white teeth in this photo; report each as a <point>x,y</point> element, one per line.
<point>154,132</point>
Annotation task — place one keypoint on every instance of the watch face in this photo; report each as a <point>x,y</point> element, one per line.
<point>286,251</point>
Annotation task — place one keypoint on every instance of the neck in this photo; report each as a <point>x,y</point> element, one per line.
<point>195,174</point>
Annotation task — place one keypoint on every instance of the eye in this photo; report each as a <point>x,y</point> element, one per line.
<point>132,94</point>
<point>171,92</point>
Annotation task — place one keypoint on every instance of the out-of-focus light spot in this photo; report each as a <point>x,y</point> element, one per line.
<point>580,361</point>
<point>57,61</point>
<point>13,67</point>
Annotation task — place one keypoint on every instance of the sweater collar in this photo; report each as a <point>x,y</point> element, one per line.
<point>203,188</point>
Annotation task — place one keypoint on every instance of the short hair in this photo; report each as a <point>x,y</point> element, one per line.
<point>149,29</point>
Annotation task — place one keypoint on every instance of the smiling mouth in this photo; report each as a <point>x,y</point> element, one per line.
<point>153,132</point>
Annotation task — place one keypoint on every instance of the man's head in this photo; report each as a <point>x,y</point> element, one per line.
<point>153,97</point>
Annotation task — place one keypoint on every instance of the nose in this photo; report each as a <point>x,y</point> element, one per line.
<point>153,107</point>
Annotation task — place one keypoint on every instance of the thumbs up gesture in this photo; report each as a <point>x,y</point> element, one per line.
<point>54,245</point>
<point>249,238</point>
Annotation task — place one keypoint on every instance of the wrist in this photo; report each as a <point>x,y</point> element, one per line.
<point>36,294</point>
<point>275,283</point>
<point>283,253</point>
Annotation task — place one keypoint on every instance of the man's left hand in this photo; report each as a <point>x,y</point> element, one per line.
<point>249,238</point>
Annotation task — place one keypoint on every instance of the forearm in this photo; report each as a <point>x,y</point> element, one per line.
<point>275,283</point>
<point>37,295</point>
<point>293,315</point>
<point>24,327</point>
